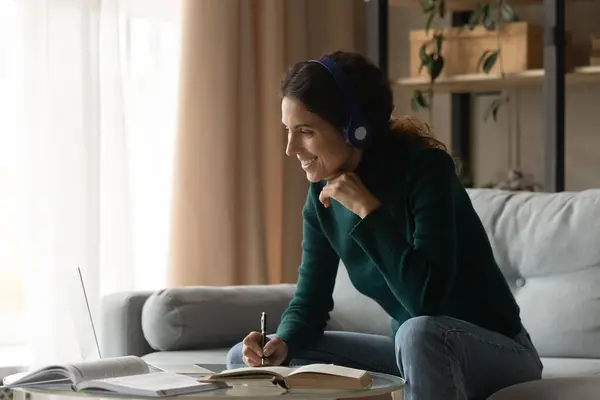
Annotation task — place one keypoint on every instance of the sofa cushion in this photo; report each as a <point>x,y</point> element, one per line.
<point>202,317</point>
<point>184,357</point>
<point>548,247</point>
<point>568,367</point>
<point>353,311</point>
<point>580,388</point>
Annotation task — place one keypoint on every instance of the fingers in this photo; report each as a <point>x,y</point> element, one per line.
<point>271,346</point>
<point>330,190</point>
<point>324,196</point>
<point>335,176</point>
<point>252,341</point>
<point>251,350</point>
<point>251,359</point>
<point>276,351</point>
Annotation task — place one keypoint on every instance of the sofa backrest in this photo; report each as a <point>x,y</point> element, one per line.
<point>548,248</point>
<point>353,311</point>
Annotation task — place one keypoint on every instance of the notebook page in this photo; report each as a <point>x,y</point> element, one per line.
<point>283,371</point>
<point>330,369</point>
<point>155,382</point>
<point>108,368</point>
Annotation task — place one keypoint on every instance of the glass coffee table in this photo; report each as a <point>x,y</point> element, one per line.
<point>382,384</point>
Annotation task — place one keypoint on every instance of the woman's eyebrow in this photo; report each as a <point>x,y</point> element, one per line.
<point>298,126</point>
<point>302,126</point>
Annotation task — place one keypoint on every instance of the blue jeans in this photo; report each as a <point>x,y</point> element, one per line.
<point>439,357</point>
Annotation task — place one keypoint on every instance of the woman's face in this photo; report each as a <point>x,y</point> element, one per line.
<point>317,144</point>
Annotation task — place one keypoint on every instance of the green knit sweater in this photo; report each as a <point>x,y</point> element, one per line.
<point>423,252</point>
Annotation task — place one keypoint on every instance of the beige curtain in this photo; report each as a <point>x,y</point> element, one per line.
<point>237,197</point>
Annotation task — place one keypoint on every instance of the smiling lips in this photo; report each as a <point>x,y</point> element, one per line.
<point>307,163</point>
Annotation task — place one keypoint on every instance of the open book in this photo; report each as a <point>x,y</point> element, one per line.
<point>128,375</point>
<point>313,376</point>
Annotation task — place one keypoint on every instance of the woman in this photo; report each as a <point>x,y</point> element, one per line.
<point>385,198</point>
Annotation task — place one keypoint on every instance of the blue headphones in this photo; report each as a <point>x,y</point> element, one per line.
<point>356,130</point>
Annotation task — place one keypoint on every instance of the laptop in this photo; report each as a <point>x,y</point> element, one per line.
<point>89,345</point>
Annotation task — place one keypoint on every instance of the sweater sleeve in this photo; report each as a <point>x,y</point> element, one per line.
<point>419,272</point>
<point>306,316</point>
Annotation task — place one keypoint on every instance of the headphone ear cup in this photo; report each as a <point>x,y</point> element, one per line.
<point>357,134</point>
<point>360,133</point>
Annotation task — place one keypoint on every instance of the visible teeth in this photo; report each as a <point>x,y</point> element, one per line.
<point>307,163</point>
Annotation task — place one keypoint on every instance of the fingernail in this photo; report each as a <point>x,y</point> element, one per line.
<point>267,353</point>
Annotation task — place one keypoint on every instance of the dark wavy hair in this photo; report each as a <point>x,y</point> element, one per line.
<point>312,84</point>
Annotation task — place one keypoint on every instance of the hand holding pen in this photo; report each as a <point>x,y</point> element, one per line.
<point>258,350</point>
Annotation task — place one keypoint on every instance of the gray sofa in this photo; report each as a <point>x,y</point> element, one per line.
<point>547,245</point>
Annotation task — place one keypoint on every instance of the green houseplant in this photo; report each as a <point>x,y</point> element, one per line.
<point>491,16</point>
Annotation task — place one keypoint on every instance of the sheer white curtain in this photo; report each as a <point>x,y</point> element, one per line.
<point>96,127</point>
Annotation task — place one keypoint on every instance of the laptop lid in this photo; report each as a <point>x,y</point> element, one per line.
<point>81,315</point>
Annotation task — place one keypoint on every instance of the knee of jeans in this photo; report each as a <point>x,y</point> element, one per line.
<point>234,356</point>
<point>417,333</point>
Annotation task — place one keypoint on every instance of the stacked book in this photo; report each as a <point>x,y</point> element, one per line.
<point>595,51</point>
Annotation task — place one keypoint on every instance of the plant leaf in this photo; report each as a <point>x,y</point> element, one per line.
<point>413,103</point>
<point>475,17</point>
<point>487,19</point>
<point>429,21</point>
<point>439,40</point>
<point>482,58</point>
<point>422,100</point>
<point>423,55</point>
<point>423,65</point>
<point>427,5</point>
<point>437,65</point>
<point>490,61</point>
<point>492,109</point>
<point>442,8</point>
<point>418,100</point>
<point>508,13</point>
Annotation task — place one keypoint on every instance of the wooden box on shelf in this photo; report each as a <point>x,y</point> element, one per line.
<point>595,39</point>
<point>595,51</point>
<point>521,45</point>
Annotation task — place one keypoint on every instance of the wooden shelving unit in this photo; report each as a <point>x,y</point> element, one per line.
<point>553,78</point>
<point>483,83</point>
<point>466,5</point>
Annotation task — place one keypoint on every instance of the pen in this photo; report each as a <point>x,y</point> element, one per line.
<point>263,333</point>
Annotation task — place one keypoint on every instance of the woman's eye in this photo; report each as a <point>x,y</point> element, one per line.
<point>307,133</point>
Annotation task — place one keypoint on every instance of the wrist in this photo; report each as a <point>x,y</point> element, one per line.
<point>368,208</point>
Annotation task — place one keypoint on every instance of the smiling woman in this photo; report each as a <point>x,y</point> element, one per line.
<point>386,199</point>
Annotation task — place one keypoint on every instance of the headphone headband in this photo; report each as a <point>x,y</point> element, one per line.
<point>356,130</point>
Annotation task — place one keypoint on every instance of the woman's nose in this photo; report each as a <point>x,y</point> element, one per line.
<point>291,147</point>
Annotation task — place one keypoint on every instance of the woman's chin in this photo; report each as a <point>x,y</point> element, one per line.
<point>314,176</point>
<point>319,175</point>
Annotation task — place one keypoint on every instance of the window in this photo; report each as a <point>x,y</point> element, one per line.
<point>148,37</point>
<point>11,282</point>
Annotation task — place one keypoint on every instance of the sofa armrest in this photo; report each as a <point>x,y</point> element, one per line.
<point>121,324</point>
<point>203,317</point>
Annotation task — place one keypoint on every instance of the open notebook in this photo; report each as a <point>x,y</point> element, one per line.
<point>128,375</point>
<point>313,376</point>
